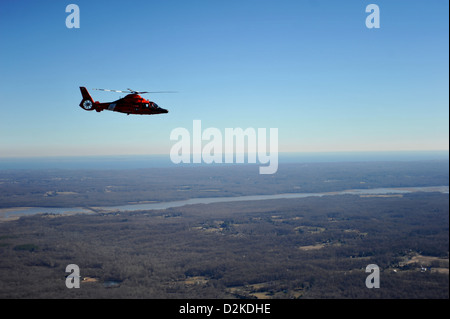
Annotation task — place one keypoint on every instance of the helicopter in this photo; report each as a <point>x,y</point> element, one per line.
<point>132,103</point>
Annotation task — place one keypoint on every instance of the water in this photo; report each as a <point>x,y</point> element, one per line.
<point>8,213</point>
<point>211,200</point>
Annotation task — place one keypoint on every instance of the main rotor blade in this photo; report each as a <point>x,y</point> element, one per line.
<point>112,90</point>
<point>135,92</point>
<point>143,92</point>
<point>158,92</point>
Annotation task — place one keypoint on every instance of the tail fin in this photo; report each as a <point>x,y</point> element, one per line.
<point>87,102</point>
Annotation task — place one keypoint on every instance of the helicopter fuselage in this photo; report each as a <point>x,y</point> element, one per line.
<point>130,104</point>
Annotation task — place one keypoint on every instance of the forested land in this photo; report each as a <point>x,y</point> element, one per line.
<point>315,247</point>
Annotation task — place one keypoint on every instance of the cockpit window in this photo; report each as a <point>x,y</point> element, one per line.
<point>155,105</point>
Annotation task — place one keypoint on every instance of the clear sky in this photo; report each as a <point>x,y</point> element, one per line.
<point>310,68</point>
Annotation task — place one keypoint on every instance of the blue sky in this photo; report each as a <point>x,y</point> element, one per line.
<point>310,68</point>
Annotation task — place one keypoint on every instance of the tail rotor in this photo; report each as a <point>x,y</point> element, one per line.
<point>87,103</point>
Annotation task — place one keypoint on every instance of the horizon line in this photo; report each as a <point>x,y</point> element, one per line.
<point>280,153</point>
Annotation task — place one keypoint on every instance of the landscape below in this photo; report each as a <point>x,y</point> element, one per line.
<point>315,247</point>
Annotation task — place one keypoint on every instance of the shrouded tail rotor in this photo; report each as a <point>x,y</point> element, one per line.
<point>87,103</point>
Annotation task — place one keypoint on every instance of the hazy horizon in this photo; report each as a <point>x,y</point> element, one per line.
<point>163,160</point>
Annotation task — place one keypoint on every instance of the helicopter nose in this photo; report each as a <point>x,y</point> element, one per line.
<point>164,111</point>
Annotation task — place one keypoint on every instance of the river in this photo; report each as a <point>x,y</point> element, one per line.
<point>12,213</point>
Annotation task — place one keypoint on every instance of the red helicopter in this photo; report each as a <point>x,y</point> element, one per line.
<point>133,103</point>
